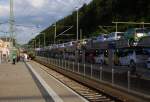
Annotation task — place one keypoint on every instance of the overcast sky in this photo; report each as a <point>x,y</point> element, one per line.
<point>33,16</point>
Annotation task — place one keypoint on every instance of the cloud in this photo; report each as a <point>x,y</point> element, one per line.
<point>4,10</point>
<point>37,3</point>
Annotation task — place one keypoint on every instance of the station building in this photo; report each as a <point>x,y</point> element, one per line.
<point>4,49</point>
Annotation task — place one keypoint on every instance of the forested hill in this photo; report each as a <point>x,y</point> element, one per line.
<point>131,10</point>
<point>101,13</point>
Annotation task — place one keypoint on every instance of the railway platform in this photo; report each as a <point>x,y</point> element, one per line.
<point>25,82</point>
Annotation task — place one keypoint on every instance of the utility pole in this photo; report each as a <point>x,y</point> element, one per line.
<point>80,34</point>
<point>35,46</point>
<point>11,21</point>
<point>77,24</point>
<point>116,27</point>
<point>77,51</point>
<point>35,43</point>
<point>55,34</point>
<point>44,40</point>
<point>39,43</point>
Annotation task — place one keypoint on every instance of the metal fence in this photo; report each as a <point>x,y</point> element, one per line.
<point>113,76</point>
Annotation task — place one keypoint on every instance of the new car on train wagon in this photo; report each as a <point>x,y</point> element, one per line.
<point>148,63</point>
<point>134,57</point>
<point>102,57</point>
<point>133,35</point>
<point>115,36</point>
<point>71,43</point>
<point>100,38</point>
<point>61,45</point>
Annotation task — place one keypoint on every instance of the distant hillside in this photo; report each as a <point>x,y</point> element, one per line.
<point>101,13</point>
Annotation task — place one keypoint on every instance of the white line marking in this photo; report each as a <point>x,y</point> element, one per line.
<point>49,90</point>
<point>67,87</point>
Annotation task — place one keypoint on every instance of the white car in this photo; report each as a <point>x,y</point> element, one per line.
<point>115,36</point>
<point>100,38</point>
<point>61,45</point>
<point>132,57</point>
<point>99,59</point>
<point>69,44</point>
<point>84,41</point>
<point>54,46</point>
<point>148,63</point>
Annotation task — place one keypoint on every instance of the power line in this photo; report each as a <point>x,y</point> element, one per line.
<point>131,23</point>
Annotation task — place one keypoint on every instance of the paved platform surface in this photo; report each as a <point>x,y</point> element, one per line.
<point>19,84</point>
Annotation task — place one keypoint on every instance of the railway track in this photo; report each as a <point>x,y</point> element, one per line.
<point>90,94</point>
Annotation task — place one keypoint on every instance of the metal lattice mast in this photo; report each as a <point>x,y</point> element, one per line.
<point>11,21</point>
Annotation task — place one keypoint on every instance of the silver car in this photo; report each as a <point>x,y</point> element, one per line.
<point>115,36</point>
